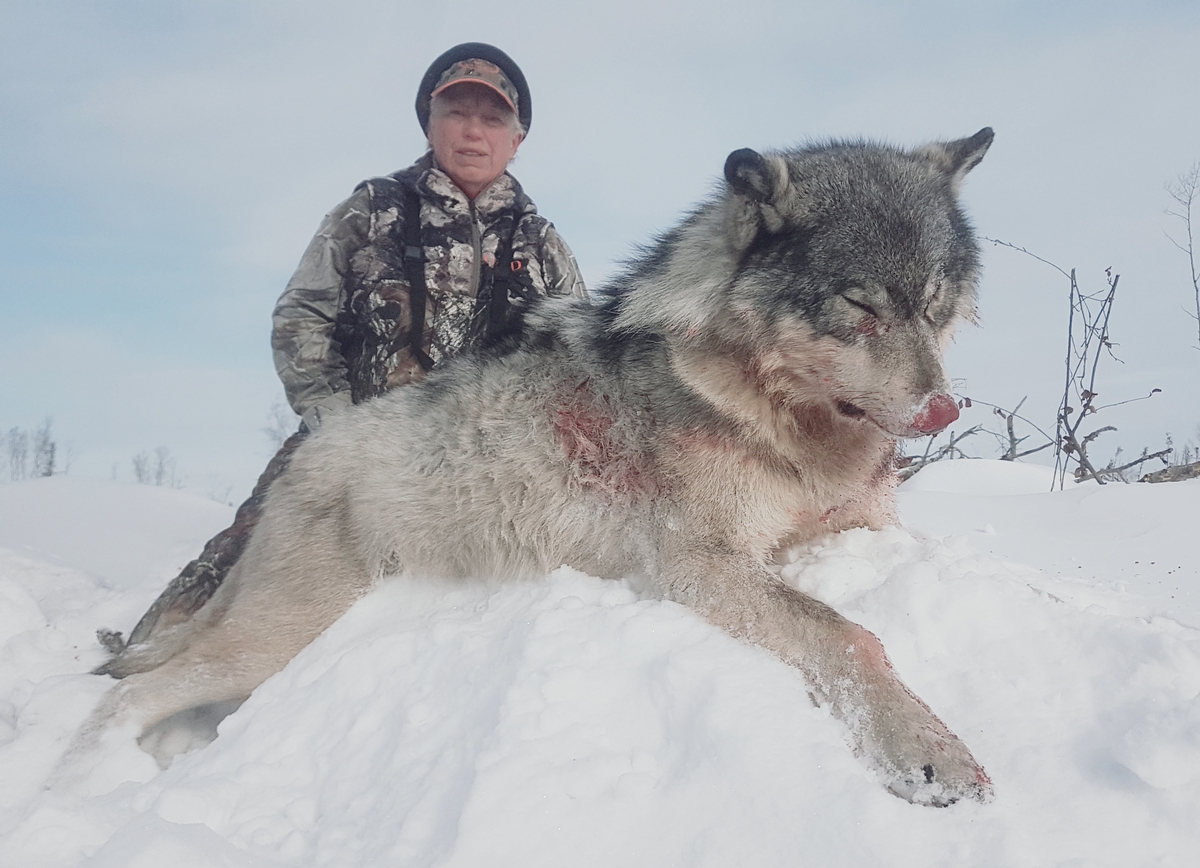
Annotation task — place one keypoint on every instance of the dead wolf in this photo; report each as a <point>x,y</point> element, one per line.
<point>740,387</point>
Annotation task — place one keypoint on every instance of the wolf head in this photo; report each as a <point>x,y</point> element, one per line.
<point>835,274</point>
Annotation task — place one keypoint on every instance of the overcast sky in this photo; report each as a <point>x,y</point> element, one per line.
<point>163,165</point>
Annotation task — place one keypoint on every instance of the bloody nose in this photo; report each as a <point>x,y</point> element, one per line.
<point>939,411</point>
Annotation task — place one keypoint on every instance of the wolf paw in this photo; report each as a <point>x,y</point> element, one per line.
<point>112,641</point>
<point>918,757</point>
<point>949,775</point>
<point>940,788</point>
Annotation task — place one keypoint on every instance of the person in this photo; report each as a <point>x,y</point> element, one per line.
<point>410,270</point>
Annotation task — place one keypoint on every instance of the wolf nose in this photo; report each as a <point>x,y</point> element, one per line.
<point>939,411</point>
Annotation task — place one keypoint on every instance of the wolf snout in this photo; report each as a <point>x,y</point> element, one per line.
<point>939,411</point>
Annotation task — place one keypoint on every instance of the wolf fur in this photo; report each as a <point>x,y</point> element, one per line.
<point>740,387</point>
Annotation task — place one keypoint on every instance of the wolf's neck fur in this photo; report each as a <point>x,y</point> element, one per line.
<point>798,428</point>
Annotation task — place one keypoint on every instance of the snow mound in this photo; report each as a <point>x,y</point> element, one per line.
<point>123,533</point>
<point>572,721</point>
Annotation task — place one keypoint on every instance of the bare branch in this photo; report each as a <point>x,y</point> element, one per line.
<point>1089,438</point>
<point>1117,473</point>
<point>1000,243</point>
<point>908,466</point>
<point>1146,397</point>
<point>1014,414</point>
<point>1031,451</point>
<point>1184,190</point>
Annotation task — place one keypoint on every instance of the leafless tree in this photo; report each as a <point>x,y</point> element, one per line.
<point>17,444</point>
<point>44,450</point>
<point>1088,340</point>
<point>1185,190</point>
<point>158,469</point>
<point>219,489</point>
<point>141,467</point>
<point>281,424</point>
<point>164,468</point>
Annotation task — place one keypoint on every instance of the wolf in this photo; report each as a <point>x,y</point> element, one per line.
<point>740,387</point>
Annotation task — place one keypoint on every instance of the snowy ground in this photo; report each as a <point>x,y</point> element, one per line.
<point>570,722</point>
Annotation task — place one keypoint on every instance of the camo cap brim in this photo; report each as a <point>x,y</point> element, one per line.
<point>477,71</point>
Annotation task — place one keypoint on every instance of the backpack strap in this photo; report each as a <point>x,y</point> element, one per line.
<point>414,272</point>
<point>497,296</point>
<point>509,278</point>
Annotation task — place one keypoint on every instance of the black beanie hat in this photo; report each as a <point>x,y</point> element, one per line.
<point>466,51</point>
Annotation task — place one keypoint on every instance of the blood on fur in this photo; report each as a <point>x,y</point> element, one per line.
<point>598,459</point>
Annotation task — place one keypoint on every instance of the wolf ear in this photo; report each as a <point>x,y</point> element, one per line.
<point>958,158</point>
<point>754,176</point>
<point>760,195</point>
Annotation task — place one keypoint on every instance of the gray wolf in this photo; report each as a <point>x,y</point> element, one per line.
<point>740,387</point>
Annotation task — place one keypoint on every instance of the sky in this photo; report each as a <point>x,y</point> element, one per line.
<point>163,165</point>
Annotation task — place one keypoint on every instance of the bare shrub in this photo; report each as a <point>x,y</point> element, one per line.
<point>1088,341</point>
<point>45,450</point>
<point>281,424</point>
<point>16,443</point>
<point>141,467</point>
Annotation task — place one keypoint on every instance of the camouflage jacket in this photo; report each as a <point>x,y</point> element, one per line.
<point>340,328</point>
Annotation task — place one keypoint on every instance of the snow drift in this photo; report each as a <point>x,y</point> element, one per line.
<point>571,721</point>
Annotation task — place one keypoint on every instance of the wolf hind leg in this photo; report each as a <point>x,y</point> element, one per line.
<point>845,667</point>
<point>157,634</point>
<point>216,668</point>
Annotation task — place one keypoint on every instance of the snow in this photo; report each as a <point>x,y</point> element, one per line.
<point>571,721</point>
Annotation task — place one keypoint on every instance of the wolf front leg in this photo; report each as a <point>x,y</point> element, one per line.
<point>845,667</point>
